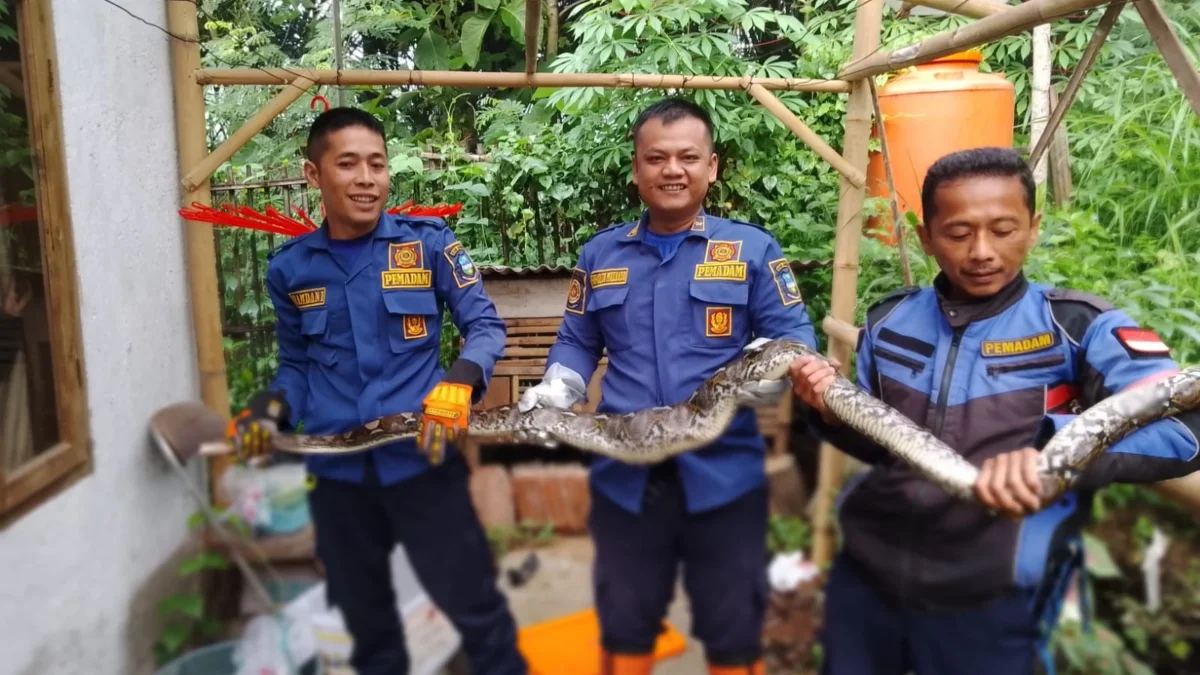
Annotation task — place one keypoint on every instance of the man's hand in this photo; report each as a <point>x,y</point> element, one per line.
<point>811,377</point>
<point>1009,483</point>
<point>447,410</point>
<point>250,431</point>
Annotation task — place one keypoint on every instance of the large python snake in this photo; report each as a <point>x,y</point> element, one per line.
<point>654,434</point>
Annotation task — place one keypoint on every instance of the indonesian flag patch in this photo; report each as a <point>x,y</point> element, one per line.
<point>1141,342</point>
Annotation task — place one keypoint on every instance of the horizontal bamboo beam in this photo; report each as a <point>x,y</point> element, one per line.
<point>1081,69</point>
<point>1171,50</point>
<point>1011,21</point>
<point>810,138</point>
<point>975,9</point>
<point>447,78</point>
<point>840,330</point>
<point>206,167</point>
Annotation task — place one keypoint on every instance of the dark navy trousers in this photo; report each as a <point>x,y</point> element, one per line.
<point>863,634</point>
<point>724,558</point>
<point>431,515</point>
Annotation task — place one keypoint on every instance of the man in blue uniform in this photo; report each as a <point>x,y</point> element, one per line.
<point>992,364</point>
<point>358,308</point>
<point>672,297</point>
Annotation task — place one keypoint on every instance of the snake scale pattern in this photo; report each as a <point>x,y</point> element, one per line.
<point>654,434</point>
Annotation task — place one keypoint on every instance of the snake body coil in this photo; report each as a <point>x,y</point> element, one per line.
<point>654,434</point>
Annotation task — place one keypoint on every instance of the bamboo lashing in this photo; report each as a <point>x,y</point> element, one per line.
<point>1011,21</point>
<point>975,9</point>
<point>205,167</point>
<point>810,138</point>
<point>447,78</point>
<point>868,19</point>
<point>1170,48</point>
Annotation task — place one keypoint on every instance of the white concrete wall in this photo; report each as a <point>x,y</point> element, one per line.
<point>78,575</point>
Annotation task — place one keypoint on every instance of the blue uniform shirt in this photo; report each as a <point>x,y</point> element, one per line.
<point>667,325</point>
<point>359,326</point>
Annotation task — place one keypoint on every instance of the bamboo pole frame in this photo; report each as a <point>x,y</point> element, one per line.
<point>811,139</point>
<point>868,24</point>
<point>893,198</point>
<point>533,17</point>
<point>1081,70</point>
<point>975,9</point>
<point>249,129</point>
<point>469,79</point>
<point>1171,50</point>
<point>1002,24</point>
<point>192,139</point>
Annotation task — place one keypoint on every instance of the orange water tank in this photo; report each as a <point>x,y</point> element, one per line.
<point>932,110</point>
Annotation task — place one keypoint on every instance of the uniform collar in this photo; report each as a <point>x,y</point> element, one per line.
<point>959,313</point>
<point>388,227</point>
<point>702,227</point>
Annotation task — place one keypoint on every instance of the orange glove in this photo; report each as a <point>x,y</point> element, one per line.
<point>447,409</point>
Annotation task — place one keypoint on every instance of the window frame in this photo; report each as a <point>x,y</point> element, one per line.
<point>63,464</point>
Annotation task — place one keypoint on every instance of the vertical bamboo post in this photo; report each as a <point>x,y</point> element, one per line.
<point>198,237</point>
<point>868,20</point>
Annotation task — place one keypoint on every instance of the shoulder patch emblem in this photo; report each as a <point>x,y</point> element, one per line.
<point>1025,345</point>
<point>414,327</point>
<point>718,321</point>
<point>577,292</point>
<point>610,277</point>
<point>406,256</point>
<point>464,270</point>
<point>785,281</point>
<point>308,298</point>
<point>1141,342</point>
<point>722,251</point>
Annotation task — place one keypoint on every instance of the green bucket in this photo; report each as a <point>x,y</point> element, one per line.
<point>217,659</point>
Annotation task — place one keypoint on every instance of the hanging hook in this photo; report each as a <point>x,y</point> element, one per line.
<point>313,103</point>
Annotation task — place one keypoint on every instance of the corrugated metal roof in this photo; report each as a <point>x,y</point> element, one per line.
<point>564,270</point>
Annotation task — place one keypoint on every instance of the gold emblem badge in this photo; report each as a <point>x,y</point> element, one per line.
<point>414,327</point>
<point>719,321</point>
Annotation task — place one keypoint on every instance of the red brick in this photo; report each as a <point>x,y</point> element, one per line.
<point>556,493</point>
<point>492,494</point>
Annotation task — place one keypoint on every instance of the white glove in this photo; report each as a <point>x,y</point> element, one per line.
<point>560,387</point>
<point>763,393</point>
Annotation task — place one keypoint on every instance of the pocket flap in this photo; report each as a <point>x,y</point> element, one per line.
<point>312,321</point>
<point>410,302</point>
<point>322,353</point>
<point>607,297</point>
<point>720,293</point>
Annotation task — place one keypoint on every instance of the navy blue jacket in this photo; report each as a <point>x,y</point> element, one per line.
<point>360,343</point>
<point>991,377</point>
<point>667,326</point>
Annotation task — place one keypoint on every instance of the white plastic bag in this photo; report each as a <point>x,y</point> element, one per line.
<point>275,644</point>
<point>789,570</point>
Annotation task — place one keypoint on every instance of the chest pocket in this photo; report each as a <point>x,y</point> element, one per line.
<point>608,306</point>
<point>720,314</point>
<point>314,325</point>
<point>412,320</point>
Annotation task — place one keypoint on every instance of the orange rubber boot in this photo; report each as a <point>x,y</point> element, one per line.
<point>756,668</point>
<point>626,664</point>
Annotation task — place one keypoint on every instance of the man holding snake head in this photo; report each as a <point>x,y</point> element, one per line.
<point>993,365</point>
<point>358,307</point>
<point>672,297</point>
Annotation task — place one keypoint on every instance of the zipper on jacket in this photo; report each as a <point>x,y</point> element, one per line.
<point>944,393</point>
<point>888,355</point>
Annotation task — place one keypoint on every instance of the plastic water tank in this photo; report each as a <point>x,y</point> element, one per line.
<point>930,111</point>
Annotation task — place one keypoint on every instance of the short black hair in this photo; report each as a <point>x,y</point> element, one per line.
<point>669,110</point>
<point>336,119</point>
<point>1001,162</point>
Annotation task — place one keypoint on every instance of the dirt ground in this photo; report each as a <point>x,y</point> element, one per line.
<point>562,585</point>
